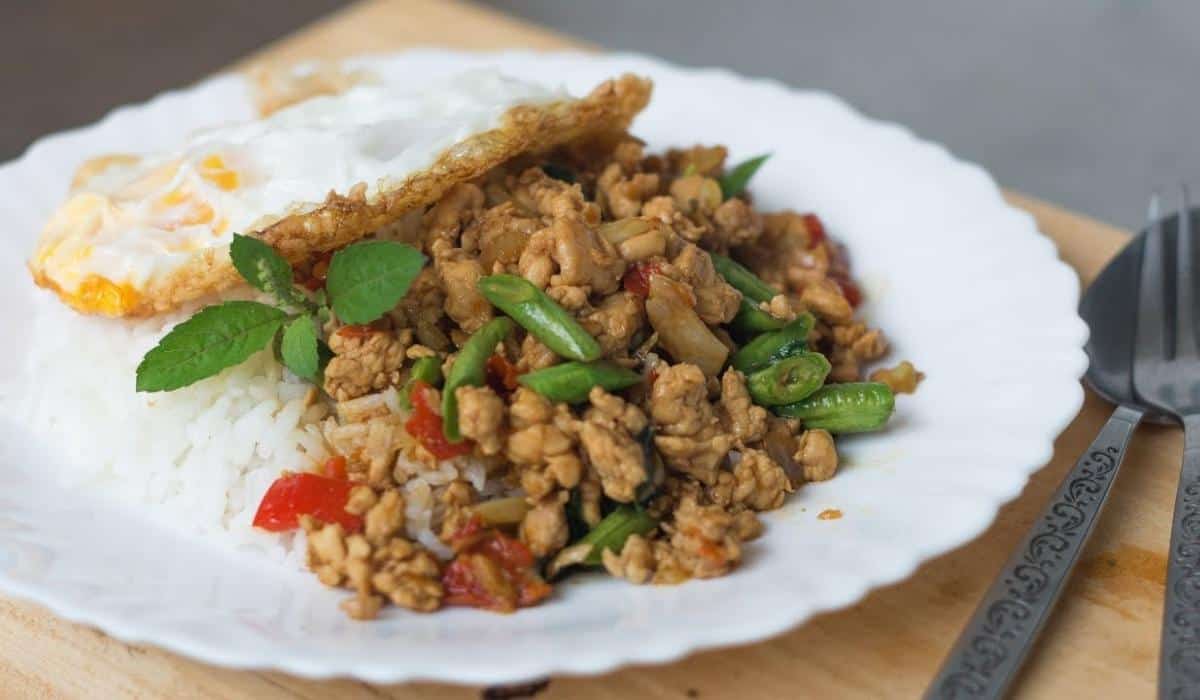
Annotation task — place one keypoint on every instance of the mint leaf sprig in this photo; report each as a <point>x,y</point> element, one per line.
<point>365,281</point>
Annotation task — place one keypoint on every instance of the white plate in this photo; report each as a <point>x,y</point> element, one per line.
<point>963,283</point>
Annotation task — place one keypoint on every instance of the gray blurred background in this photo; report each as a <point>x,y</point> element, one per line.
<point>1088,103</point>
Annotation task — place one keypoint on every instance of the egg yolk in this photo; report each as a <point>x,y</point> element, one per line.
<point>213,169</point>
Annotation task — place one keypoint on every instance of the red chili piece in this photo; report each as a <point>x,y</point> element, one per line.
<point>293,495</point>
<point>426,426</point>
<point>637,278</point>
<point>492,571</point>
<point>335,468</point>
<point>501,374</point>
<point>815,229</point>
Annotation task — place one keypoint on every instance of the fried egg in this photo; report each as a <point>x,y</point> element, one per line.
<point>140,234</point>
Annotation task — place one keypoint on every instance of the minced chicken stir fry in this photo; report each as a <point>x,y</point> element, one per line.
<point>643,361</point>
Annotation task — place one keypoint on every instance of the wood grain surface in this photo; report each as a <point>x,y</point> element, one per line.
<point>1102,642</point>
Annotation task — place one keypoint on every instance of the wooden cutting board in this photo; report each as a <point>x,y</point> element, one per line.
<point>1103,641</point>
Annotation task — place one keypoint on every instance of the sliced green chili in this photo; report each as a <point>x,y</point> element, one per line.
<point>470,369</point>
<point>735,181</point>
<point>571,381</point>
<point>788,380</point>
<point>772,347</point>
<point>844,408</point>
<point>540,315</point>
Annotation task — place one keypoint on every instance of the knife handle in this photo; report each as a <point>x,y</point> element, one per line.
<point>1003,628</point>
<point>1179,656</point>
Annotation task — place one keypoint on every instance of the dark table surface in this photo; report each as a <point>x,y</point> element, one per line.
<point>1090,103</point>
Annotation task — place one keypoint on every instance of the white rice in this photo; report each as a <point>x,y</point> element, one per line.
<point>197,459</point>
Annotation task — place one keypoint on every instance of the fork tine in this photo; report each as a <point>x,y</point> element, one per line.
<point>1151,325</point>
<point>1185,283</point>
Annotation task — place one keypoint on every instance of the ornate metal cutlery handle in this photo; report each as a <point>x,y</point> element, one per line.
<point>1179,658</point>
<point>988,654</point>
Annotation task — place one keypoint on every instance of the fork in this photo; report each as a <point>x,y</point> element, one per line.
<point>1166,375</point>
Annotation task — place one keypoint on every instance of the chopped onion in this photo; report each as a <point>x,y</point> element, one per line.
<point>680,330</point>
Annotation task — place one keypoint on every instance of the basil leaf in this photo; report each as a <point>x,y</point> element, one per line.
<point>299,348</point>
<point>215,338</point>
<point>733,182</point>
<point>367,279</point>
<point>264,268</point>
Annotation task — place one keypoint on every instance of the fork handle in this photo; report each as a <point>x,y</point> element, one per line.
<point>1179,657</point>
<point>1000,634</point>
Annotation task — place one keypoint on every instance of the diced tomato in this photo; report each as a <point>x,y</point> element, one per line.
<point>425,425</point>
<point>293,495</point>
<point>850,290</point>
<point>361,331</point>
<point>637,278</point>
<point>501,374</point>
<point>492,571</point>
<point>815,229</point>
<point>335,467</point>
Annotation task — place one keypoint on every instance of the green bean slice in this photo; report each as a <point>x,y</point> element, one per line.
<point>743,279</point>
<point>540,315</point>
<point>844,408</point>
<point>470,369</point>
<point>424,369</point>
<point>764,349</point>
<point>572,381</point>
<point>751,320</point>
<point>616,527</point>
<point>788,380</point>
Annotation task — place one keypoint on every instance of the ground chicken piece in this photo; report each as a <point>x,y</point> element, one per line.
<point>785,254</point>
<point>391,567</point>
<point>529,408</point>
<point>572,299</point>
<point>665,210</point>
<point>703,540</point>
<point>481,417</point>
<point>552,198</point>
<point>370,447</point>
<point>780,306</point>
<point>363,364</point>
<point>464,304</point>
<point>542,444</point>
<point>761,483</point>
<point>383,516</point>
<point>845,365</point>
<point>865,344</point>
<point>445,220</point>
<point>501,234</point>
<point>698,160</point>
<point>608,434</point>
<point>817,455</point>
<point>825,299</point>
<point>689,435</point>
<point>408,574</point>
<point>544,529</point>
<point>568,253</point>
<point>736,223</point>
<point>716,301</point>
<point>535,355</point>
<point>635,563</point>
<point>901,379</point>
<point>741,417</point>
<point>696,194</point>
<point>615,322</point>
<point>622,195</point>
<point>747,526</point>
